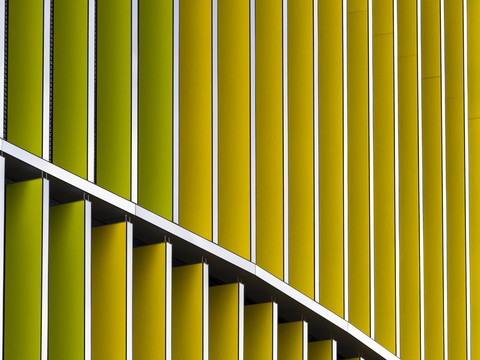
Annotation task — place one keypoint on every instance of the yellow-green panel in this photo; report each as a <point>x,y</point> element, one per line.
<point>384,173</point>
<point>320,350</point>
<point>70,80</point>
<point>25,73</point>
<point>187,313</point>
<point>300,146</point>
<point>66,282</point>
<point>473,58</point>
<point>223,322</point>
<point>408,202</point>
<point>234,126</point>
<point>114,95</point>
<point>432,218</point>
<point>195,193</point>
<point>474,142</point>
<point>407,29</point>
<point>358,170</point>
<point>155,106</point>
<point>269,135</point>
<point>259,332</point>
<point>23,270</point>
<point>454,122</point>
<point>430,38</point>
<point>290,341</point>
<point>109,291</point>
<point>330,149</point>
<point>149,301</point>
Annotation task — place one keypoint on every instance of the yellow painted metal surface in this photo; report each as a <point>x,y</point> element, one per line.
<point>432,180</point>
<point>66,282</point>
<point>187,312</point>
<point>358,168</point>
<point>223,322</point>
<point>234,126</point>
<point>155,106</point>
<point>408,181</point>
<point>300,146</point>
<point>195,193</point>
<point>259,332</point>
<point>70,68</point>
<point>114,95</point>
<point>320,350</point>
<point>269,136</point>
<point>384,173</point>
<point>290,341</point>
<point>457,326</point>
<point>149,301</point>
<point>474,157</point>
<point>330,144</point>
<point>23,270</point>
<point>25,59</point>
<point>109,291</point>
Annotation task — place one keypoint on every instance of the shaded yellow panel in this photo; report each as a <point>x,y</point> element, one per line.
<point>109,286</point>
<point>408,182</point>
<point>269,135</point>
<point>195,192</point>
<point>66,282</point>
<point>149,301</point>
<point>290,341</point>
<point>114,95</point>
<point>432,218</point>
<point>457,314</point>
<point>321,350</point>
<point>358,171</point>
<point>25,61</point>
<point>259,331</point>
<point>473,58</point>
<point>330,146</point>
<point>234,126</point>
<point>224,322</point>
<point>430,38</point>
<point>474,132</point>
<point>187,314</point>
<point>70,47</point>
<point>300,146</point>
<point>23,270</point>
<point>155,106</point>
<point>384,174</point>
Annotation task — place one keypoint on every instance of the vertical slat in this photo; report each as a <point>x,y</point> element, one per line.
<point>134,108</point>
<point>371,164</point>
<point>46,81</point>
<point>88,280</point>
<point>275,331</point>
<point>45,224</point>
<point>129,294</point>
<point>241,321</point>
<point>316,165</point>
<point>91,90</point>
<point>176,129</point>
<point>253,137</point>
<point>305,340</point>
<point>168,303</point>
<point>285,139</point>
<point>205,310</point>
<point>215,121</point>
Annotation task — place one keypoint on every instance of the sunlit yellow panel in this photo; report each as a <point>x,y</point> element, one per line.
<point>259,331</point>
<point>358,170</point>
<point>23,270</point>
<point>321,350</point>
<point>290,341</point>
<point>384,175</point>
<point>300,146</point>
<point>224,307</point>
<point>25,65</point>
<point>234,126</point>
<point>269,136</point>
<point>109,286</point>
<point>187,312</point>
<point>330,145</point>
<point>149,301</point>
<point>432,180</point>
<point>457,315</point>
<point>195,168</point>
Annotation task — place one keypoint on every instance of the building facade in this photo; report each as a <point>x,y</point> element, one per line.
<point>240,179</point>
